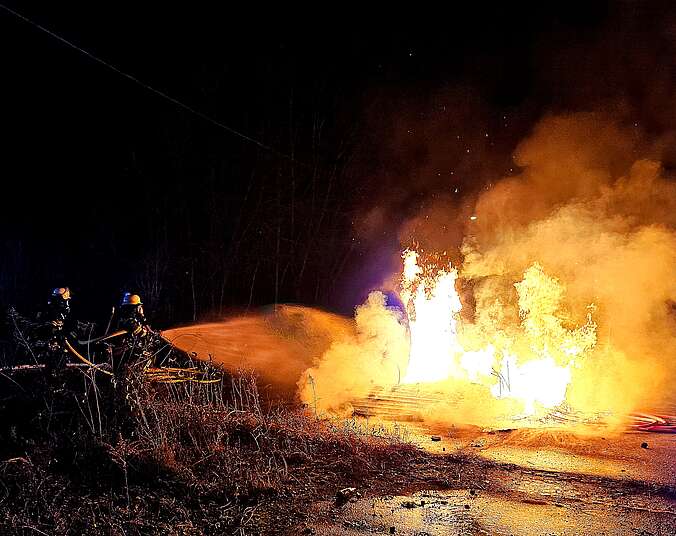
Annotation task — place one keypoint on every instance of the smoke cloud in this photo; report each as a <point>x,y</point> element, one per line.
<point>590,203</point>
<point>374,355</point>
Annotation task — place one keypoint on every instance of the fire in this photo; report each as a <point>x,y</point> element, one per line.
<point>540,381</point>
<point>588,203</point>
<point>432,304</point>
<point>531,365</point>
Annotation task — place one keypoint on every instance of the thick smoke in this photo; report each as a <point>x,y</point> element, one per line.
<point>590,203</point>
<point>374,355</point>
<point>593,207</point>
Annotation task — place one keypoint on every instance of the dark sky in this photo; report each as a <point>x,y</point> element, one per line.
<point>114,187</point>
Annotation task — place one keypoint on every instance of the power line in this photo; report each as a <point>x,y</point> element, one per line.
<point>151,88</point>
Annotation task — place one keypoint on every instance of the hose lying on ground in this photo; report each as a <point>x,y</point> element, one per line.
<point>156,374</point>
<point>645,422</point>
<point>178,375</point>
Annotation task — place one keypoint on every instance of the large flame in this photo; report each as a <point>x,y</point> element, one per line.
<point>589,203</point>
<point>432,304</point>
<point>532,365</point>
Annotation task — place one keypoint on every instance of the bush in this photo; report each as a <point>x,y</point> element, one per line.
<point>181,458</point>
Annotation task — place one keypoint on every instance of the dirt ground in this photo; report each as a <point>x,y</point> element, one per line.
<point>522,482</point>
<point>505,482</point>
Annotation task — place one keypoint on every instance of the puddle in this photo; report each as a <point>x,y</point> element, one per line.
<point>464,512</point>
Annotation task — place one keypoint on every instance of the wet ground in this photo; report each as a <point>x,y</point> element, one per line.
<point>522,482</point>
<point>563,512</point>
<point>542,481</point>
<point>616,455</point>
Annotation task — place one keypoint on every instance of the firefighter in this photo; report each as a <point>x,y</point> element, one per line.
<point>58,308</point>
<point>58,304</point>
<point>138,340</point>
<point>50,331</point>
<point>132,318</point>
<point>130,358</point>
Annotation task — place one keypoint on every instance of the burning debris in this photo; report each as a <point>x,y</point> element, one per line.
<point>529,367</point>
<point>557,303</point>
<point>532,366</point>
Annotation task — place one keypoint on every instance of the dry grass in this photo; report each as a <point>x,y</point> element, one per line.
<point>184,459</point>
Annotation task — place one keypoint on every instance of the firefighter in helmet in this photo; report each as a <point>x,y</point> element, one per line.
<point>132,318</point>
<point>59,304</point>
<point>50,331</point>
<point>131,357</point>
<point>52,321</point>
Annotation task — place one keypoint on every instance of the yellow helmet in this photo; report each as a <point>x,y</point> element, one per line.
<point>61,292</point>
<point>131,299</point>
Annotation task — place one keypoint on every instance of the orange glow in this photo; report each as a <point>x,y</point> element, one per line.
<point>532,366</point>
<point>432,304</point>
<point>583,232</point>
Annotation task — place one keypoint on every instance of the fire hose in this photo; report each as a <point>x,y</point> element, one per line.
<point>104,337</point>
<point>645,422</point>
<point>152,374</point>
<point>84,359</point>
<point>177,375</point>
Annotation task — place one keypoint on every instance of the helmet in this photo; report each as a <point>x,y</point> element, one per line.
<point>59,301</point>
<point>131,299</point>
<point>60,292</point>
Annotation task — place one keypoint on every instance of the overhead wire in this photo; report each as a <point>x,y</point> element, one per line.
<point>154,90</point>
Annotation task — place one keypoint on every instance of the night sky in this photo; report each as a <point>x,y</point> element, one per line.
<point>109,186</point>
